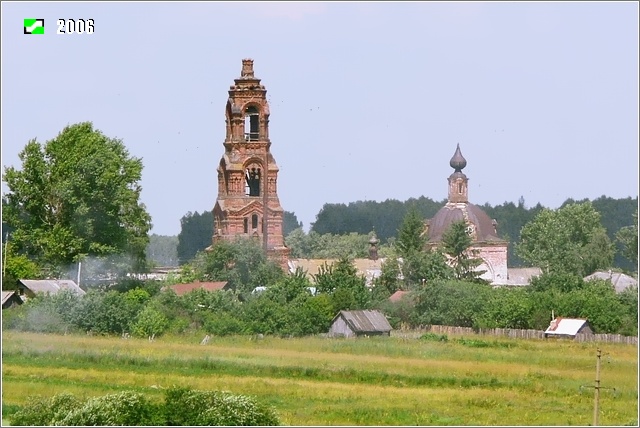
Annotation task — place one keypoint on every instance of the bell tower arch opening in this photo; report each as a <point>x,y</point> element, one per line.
<point>251,123</point>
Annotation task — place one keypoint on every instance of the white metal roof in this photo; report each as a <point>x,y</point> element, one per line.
<point>565,326</point>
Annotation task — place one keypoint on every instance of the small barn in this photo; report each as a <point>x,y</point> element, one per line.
<point>568,328</point>
<point>9,299</point>
<point>30,287</point>
<point>359,323</point>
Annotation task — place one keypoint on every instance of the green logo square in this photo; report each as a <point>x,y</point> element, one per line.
<point>33,26</point>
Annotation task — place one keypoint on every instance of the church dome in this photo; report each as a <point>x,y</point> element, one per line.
<point>483,228</point>
<point>458,208</point>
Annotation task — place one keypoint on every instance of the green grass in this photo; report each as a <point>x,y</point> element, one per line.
<point>319,381</point>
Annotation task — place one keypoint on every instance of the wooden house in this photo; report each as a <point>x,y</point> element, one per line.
<point>359,323</point>
<point>10,299</point>
<point>31,287</point>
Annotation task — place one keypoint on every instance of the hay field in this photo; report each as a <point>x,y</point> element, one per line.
<point>365,381</point>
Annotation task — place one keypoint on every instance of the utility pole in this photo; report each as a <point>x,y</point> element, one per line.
<point>597,388</point>
<point>596,403</point>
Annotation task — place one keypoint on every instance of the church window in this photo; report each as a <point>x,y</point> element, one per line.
<point>252,178</point>
<point>251,124</point>
<point>254,221</point>
<point>246,225</point>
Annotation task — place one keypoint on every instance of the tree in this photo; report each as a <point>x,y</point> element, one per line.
<point>196,233</point>
<point>17,267</point>
<point>348,290</point>
<point>569,239</point>
<point>163,250</point>
<point>77,195</point>
<point>289,223</point>
<point>456,243</point>
<point>242,263</point>
<point>628,238</point>
<point>410,235</point>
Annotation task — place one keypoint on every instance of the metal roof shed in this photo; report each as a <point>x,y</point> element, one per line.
<point>568,328</point>
<point>359,323</point>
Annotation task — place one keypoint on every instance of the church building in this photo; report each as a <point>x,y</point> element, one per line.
<point>247,204</point>
<point>483,230</point>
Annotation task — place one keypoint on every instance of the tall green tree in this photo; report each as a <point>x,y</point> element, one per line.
<point>456,242</point>
<point>162,250</point>
<point>410,235</point>
<point>628,237</point>
<point>569,239</point>
<point>290,223</point>
<point>242,263</point>
<point>77,195</point>
<point>196,233</point>
<point>341,280</point>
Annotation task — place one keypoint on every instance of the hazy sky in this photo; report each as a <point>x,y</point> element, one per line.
<point>368,100</point>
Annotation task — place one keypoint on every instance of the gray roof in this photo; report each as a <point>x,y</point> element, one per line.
<point>365,321</point>
<point>51,286</point>
<point>6,295</point>
<point>619,280</point>
<point>522,276</point>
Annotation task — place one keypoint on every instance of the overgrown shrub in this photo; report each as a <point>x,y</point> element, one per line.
<point>184,407</point>
<point>45,411</point>
<point>433,337</point>
<point>123,408</point>
<point>224,324</point>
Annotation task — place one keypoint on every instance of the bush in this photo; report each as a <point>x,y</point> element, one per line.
<point>123,408</point>
<point>184,407</point>
<point>45,411</point>
<point>434,337</point>
<point>223,324</point>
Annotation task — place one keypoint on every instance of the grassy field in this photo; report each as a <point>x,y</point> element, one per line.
<point>367,381</point>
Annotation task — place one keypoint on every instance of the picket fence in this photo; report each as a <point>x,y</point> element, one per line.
<point>512,333</point>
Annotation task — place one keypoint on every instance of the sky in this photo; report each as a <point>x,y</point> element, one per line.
<point>368,100</point>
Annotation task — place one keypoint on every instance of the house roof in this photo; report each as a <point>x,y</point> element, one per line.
<point>522,276</point>
<point>365,321</point>
<point>565,326</point>
<point>182,289</point>
<point>51,286</point>
<point>6,295</point>
<point>619,280</point>
<point>398,295</point>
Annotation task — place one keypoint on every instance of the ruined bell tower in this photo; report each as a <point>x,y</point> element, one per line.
<point>247,204</point>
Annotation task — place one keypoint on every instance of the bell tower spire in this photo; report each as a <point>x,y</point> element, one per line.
<point>458,182</point>
<point>247,204</point>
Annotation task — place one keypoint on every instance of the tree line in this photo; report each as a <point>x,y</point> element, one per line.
<point>442,286</point>
<point>345,229</point>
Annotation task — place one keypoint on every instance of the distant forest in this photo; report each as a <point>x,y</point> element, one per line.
<point>385,218</point>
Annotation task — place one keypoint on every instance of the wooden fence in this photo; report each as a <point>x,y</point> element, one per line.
<point>513,333</point>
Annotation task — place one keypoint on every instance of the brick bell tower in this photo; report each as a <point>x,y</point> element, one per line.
<point>247,173</point>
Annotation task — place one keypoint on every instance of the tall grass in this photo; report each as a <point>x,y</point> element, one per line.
<point>318,381</point>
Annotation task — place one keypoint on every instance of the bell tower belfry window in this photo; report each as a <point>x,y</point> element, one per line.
<point>251,124</point>
<point>245,203</point>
